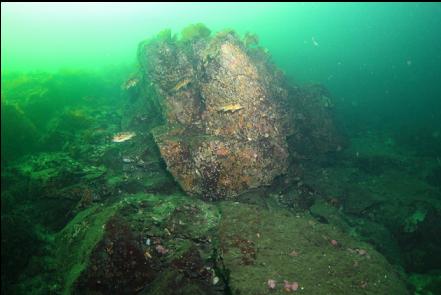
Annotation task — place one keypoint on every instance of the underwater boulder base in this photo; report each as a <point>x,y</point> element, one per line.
<point>215,167</point>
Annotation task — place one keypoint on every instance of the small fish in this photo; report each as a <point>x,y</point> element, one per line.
<point>314,42</point>
<point>127,160</point>
<point>181,84</point>
<point>123,136</point>
<point>230,108</point>
<point>130,83</point>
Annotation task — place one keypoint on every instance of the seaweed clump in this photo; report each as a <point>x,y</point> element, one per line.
<point>195,31</point>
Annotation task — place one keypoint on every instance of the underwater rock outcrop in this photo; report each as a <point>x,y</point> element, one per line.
<point>224,106</point>
<point>232,121</point>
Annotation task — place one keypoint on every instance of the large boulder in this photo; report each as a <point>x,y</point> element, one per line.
<point>225,126</point>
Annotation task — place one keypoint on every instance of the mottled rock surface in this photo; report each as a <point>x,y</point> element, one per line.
<point>226,125</point>
<point>258,245</point>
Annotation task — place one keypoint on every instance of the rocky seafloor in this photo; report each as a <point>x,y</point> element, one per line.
<point>207,197</point>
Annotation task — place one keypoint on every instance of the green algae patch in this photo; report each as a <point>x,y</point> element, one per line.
<point>195,31</point>
<point>258,245</point>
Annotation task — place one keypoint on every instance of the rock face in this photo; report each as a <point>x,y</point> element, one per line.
<point>225,126</point>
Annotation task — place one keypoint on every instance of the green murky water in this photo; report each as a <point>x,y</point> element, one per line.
<point>70,84</point>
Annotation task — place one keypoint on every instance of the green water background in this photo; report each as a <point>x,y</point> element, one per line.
<point>381,61</point>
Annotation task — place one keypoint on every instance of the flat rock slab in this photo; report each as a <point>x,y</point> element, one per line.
<point>258,245</point>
